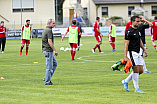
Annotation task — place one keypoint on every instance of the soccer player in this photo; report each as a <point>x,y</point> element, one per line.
<point>98,35</point>
<point>144,24</point>
<point>47,49</point>
<point>2,36</point>
<point>112,35</point>
<point>26,35</point>
<point>154,32</point>
<point>131,51</point>
<point>73,37</point>
<point>79,36</point>
<point>128,25</point>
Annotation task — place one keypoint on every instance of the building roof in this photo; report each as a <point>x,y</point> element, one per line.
<point>98,2</point>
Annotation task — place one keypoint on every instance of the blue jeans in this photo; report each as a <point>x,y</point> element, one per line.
<point>51,64</point>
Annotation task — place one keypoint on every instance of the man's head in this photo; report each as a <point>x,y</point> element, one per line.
<point>51,23</point>
<point>141,21</point>
<point>155,18</point>
<point>74,21</point>
<point>135,20</point>
<point>28,22</point>
<point>110,22</point>
<point>98,19</point>
<point>2,23</point>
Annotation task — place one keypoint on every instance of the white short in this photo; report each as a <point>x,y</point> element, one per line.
<point>135,58</point>
<point>141,50</point>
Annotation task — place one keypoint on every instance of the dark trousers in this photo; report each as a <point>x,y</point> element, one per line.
<point>2,41</point>
<point>79,40</point>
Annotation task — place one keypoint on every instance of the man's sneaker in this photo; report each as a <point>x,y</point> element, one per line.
<point>26,54</point>
<point>101,52</point>
<point>147,71</point>
<point>156,49</point>
<point>113,50</point>
<point>44,79</point>
<point>20,53</point>
<point>139,91</point>
<point>93,50</point>
<point>72,59</point>
<point>49,83</point>
<point>125,85</point>
<point>2,52</point>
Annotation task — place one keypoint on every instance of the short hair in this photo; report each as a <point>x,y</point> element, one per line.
<point>74,21</point>
<point>27,20</point>
<point>97,18</point>
<point>49,21</point>
<point>155,17</point>
<point>133,18</point>
<point>2,21</point>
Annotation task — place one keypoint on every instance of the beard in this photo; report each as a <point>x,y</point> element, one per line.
<point>27,24</point>
<point>136,26</point>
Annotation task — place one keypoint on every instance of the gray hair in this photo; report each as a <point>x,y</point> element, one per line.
<point>49,21</point>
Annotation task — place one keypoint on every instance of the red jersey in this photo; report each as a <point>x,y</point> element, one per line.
<point>154,29</point>
<point>128,25</point>
<point>2,29</point>
<point>26,26</point>
<point>96,25</point>
<point>74,27</point>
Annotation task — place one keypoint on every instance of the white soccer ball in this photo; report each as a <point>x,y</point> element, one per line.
<point>67,49</point>
<point>62,48</point>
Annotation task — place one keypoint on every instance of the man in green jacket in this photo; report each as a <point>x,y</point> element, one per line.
<point>73,37</point>
<point>26,36</point>
<point>112,35</point>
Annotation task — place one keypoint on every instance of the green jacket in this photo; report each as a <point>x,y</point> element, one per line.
<point>73,35</point>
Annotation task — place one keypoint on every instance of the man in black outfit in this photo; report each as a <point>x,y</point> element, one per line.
<point>132,52</point>
<point>144,24</point>
<point>79,36</point>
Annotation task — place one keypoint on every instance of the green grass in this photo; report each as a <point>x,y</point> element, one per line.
<point>86,81</point>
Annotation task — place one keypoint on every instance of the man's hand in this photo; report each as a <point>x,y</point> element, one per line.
<point>145,52</point>
<point>56,53</point>
<point>142,18</point>
<point>101,35</point>
<point>62,38</point>
<point>126,58</point>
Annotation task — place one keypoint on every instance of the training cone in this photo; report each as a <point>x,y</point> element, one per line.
<point>1,78</point>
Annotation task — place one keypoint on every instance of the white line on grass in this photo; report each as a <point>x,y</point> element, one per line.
<point>81,58</point>
<point>19,65</point>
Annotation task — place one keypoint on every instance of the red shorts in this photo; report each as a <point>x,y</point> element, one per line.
<point>98,38</point>
<point>25,41</point>
<point>154,37</point>
<point>73,45</point>
<point>111,39</point>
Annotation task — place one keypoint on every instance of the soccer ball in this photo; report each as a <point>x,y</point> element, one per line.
<point>62,48</point>
<point>67,49</point>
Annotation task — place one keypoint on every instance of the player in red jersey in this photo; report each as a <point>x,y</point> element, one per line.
<point>154,32</point>
<point>73,37</point>
<point>98,35</point>
<point>2,36</point>
<point>26,35</point>
<point>128,25</point>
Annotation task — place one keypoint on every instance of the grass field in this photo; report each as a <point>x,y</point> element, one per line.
<point>87,80</point>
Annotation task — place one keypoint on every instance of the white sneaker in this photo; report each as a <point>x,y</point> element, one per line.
<point>93,50</point>
<point>101,52</point>
<point>2,52</point>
